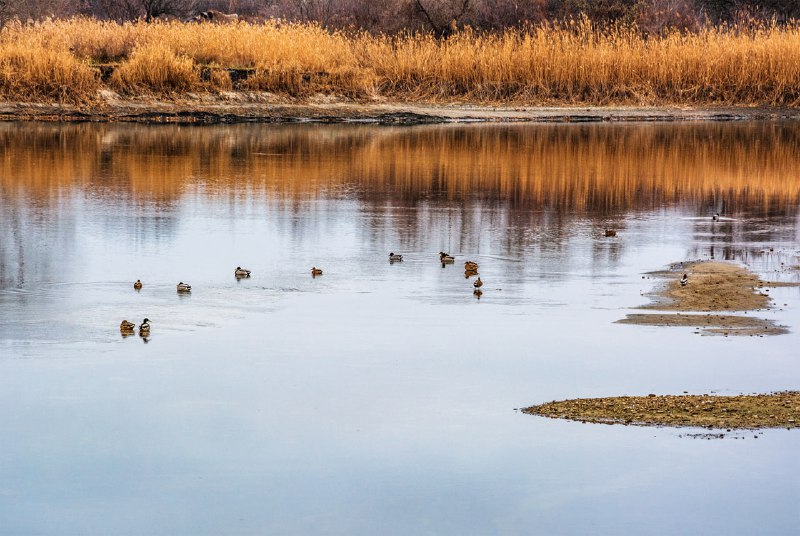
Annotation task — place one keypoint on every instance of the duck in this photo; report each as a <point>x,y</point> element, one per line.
<point>393,257</point>
<point>316,271</point>
<point>477,283</point>
<point>446,258</point>
<point>471,266</point>
<point>126,326</point>
<point>715,217</point>
<point>144,327</point>
<point>138,284</point>
<point>611,232</point>
<point>684,280</point>
<point>184,287</point>
<point>241,272</point>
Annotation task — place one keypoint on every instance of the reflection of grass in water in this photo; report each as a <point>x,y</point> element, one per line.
<point>575,167</point>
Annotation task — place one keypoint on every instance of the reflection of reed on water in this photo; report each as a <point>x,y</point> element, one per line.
<point>520,187</point>
<point>712,166</point>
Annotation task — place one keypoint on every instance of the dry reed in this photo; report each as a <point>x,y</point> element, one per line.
<point>572,63</point>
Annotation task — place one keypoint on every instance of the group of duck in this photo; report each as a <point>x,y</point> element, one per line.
<point>128,328</point>
<point>470,269</point>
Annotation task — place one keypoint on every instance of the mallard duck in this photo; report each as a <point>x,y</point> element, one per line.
<point>184,287</point>
<point>684,280</point>
<point>316,271</point>
<point>241,272</point>
<point>611,232</point>
<point>144,327</point>
<point>477,283</point>
<point>446,258</point>
<point>393,257</point>
<point>471,266</point>
<point>138,284</point>
<point>126,326</point>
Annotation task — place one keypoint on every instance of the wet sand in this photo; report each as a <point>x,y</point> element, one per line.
<point>775,410</point>
<point>236,107</point>
<point>712,287</point>
<point>710,324</point>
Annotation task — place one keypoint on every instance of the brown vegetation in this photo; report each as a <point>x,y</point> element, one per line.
<point>574,63</point>
<point>437,16</point>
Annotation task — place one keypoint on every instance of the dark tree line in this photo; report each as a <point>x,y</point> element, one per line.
<point>440,17</point>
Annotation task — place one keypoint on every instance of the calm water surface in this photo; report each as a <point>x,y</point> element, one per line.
<point>378,398</point>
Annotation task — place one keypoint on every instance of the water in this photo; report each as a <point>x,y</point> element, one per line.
<point>379,398</point>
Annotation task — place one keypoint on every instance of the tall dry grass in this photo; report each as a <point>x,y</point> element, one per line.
<point>43,74</point>
<point>557,64</point>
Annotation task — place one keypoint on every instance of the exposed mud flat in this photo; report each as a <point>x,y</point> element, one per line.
<point>774,410</point>
<point>712,287</point>
<point>710,324</point>
<point>238,107</point>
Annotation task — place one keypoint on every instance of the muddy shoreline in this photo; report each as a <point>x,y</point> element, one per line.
<point>711,287</point>
<point>774,410</point>
<point>689,294</point>
<point>267,108</point>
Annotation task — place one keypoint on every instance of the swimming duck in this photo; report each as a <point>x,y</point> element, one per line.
<point>316,271</point>
<point>446,258</point>
<point>395,258</point>
<point>241,272</point>
<point>138,284</point>
<point>684,280</point>
<point>126,326</point>
<point>478,283</point>
<point>144,327</point>
<point>184,287</point>
<point>611,232</point>
<point>471,266</point>
<point>715,217</point>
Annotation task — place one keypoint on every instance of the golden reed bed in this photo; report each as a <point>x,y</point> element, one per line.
<point>572,63</point>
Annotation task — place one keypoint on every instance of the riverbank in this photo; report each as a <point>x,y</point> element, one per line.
<point>237,107</point>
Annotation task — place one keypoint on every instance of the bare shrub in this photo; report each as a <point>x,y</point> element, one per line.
<point>660,16</point>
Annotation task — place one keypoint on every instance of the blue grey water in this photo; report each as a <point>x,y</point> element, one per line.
<point>381,398</point>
